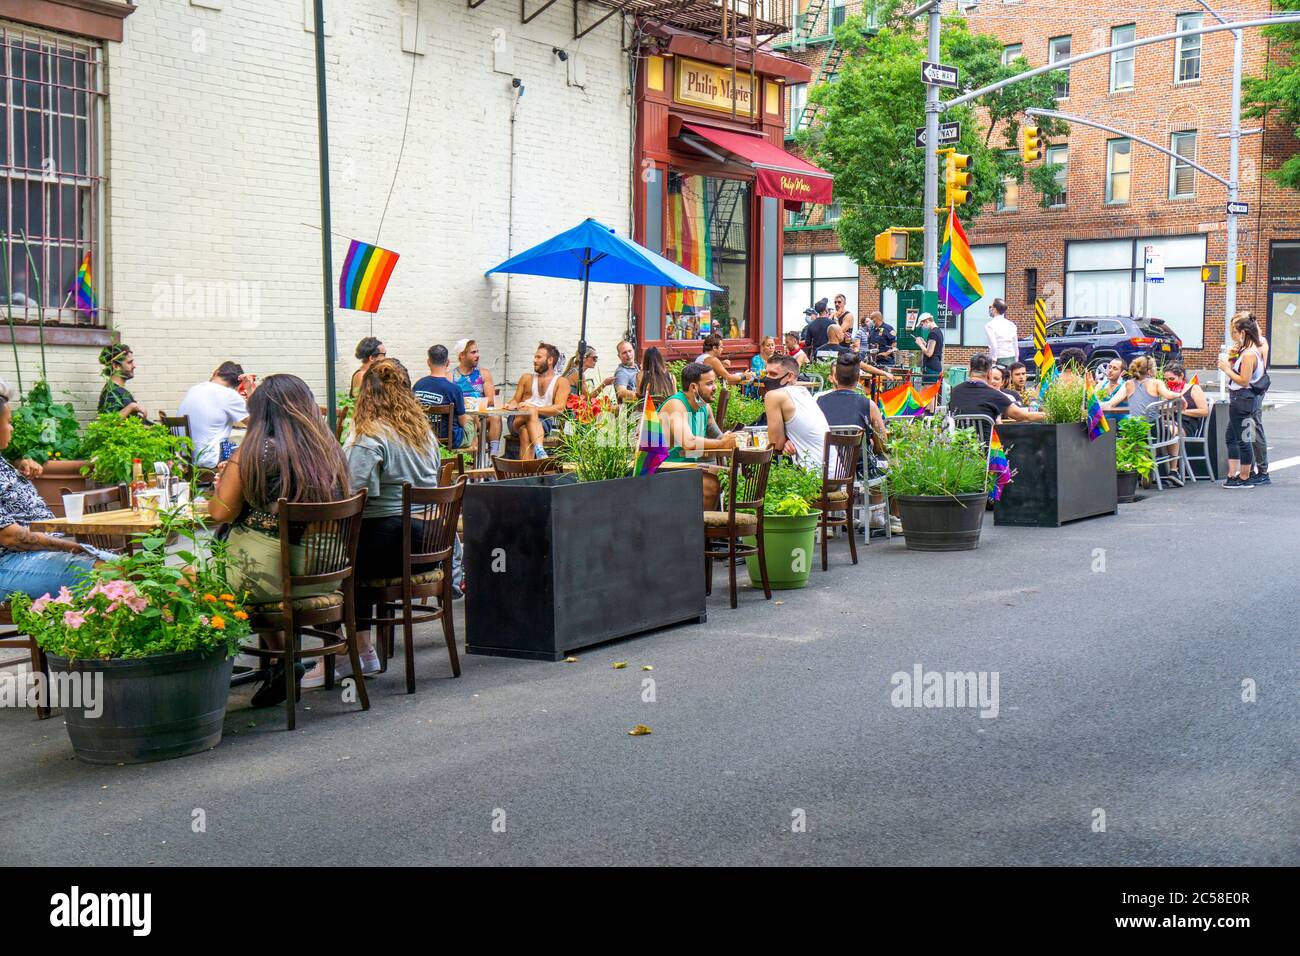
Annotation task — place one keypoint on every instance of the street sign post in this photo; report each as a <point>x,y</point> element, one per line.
<point>1238,208</point>
<point>936,74</point>
<point>949,134</point>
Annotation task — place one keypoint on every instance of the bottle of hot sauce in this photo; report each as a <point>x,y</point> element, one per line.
<point>137,483</point>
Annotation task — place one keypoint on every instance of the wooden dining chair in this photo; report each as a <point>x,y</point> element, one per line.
<point>720,414</point>
<point>843,446</point>
<point>450,469</point>
<point>99,501</point>
<point>11,638</point>
<point>429,520</point>
<point>524,467</point>
<point>440,421</point>
<point>743,515</point>
<point>326,536</point>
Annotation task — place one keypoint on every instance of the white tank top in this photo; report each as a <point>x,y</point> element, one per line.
<point>543,400</point>
<point>807,429</point>
<point>1254,376</point>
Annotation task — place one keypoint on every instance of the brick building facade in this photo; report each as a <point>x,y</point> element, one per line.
<point>1084,255</point>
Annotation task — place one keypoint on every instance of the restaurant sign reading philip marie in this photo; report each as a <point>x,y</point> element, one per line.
<point>712,87</point>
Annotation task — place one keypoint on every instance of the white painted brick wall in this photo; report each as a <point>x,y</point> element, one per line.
<point>212,152</point>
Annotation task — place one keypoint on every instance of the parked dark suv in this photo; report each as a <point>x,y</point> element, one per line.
<point>1102,337</point>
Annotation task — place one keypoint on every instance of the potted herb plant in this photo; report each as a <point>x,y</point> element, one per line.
<point>113,442</point>
<point>1132,456</point>
<point>47,432</point>
<point>142,650</point>
<point>789,526</point>
<point>1061,474</point>
<point>570,560</point>
<point>940,480</point>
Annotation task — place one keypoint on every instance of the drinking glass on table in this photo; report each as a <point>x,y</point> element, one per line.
<point>74,506</point>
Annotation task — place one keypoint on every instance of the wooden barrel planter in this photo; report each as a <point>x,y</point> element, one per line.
<point>942,523</point>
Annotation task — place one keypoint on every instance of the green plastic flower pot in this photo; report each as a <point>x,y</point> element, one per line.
<point>788,548</point>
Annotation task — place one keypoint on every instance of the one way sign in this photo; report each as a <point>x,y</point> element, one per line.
<point>936,74</point>
<point>949,133</point>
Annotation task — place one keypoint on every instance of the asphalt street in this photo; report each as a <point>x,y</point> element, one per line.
<point>1121,647</point>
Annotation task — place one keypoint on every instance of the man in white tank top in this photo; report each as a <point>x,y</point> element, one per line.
<point>795,422</point>
<point>538,398</point>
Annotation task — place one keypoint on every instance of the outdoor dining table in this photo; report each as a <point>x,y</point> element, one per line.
<point>483,415</point>
<point>122,522</point>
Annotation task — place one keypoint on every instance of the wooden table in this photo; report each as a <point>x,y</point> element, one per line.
<point>119,523</point>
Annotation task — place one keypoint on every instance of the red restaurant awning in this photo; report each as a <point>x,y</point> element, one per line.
<point>781,175</point>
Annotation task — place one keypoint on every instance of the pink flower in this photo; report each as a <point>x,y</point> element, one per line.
<point>65,596</point>
<point>74,619</point>
<point>41,603</point>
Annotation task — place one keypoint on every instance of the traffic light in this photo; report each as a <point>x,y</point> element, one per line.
<point>891,247</point>
<point>1216,273</point>
<point>1032,149</point>
<point>956,180</point>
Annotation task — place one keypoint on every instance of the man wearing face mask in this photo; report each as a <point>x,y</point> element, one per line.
<point>796,424</point>
<point>1002,335</point>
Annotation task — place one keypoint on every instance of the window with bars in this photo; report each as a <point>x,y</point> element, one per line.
<point>1121,61</point>
<point>1188,59</point>
<point>50,173</point>
<point>1182,177</point>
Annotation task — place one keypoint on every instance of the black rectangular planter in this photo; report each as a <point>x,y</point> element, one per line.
<point>553,565</point>
<point>1060,475</point>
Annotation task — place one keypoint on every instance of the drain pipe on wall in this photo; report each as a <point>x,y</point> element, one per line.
<point>517,87</point>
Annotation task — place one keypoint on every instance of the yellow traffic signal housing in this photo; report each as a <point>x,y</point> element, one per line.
<point>957,180</point>
<point>1215,273</point>
<point>891,247</point>
<point>1032,149</point>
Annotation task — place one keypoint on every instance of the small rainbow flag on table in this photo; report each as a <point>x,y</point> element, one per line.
<point>653,446</point>
<point>959,280</point>
<point>365,275</point>
<point>999,467</point>
<point>906,400</point>
<point>84,286</point>
<point>1046,371</point>
<point>1096,418</point>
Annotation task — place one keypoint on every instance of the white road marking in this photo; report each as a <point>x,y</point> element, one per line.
<point>1284,463</point>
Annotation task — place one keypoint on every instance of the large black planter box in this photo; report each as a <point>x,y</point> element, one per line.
<point>1060,475</point>
<point>553,565</point>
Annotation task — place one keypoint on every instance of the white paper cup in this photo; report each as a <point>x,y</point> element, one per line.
<point>74,506</point>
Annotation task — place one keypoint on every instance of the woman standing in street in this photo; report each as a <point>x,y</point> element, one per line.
<point>1244,367</point>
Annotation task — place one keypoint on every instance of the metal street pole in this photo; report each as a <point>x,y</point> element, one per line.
<point>327,260</point>
<point>1234,150</point>
<point>930,282</point>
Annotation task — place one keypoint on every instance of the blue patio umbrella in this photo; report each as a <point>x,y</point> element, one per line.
<point>593,252</point>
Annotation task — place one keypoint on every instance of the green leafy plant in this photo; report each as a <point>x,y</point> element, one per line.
<point>1131,450</point>
<point>142,604</point>
<point>786,479</point>
<point>43,428</point>
<point>793,506</point>
<point>113,441</point>
<point>602,448</point>
<point>926,460</point>
<point>741,408</point>
<point>1063,401</point>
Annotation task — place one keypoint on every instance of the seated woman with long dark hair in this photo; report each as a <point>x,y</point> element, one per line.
<point>288,453</point>
<point>31,562</point>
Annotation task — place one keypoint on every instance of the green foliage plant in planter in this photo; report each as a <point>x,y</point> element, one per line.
<point>603,448</point>
<point>1062,402</point>
<point>47,432</point>
<point>112,442</point>
<point>940,480</point>
<point>789,526</point>
<point>149,639</point>
<point>1132,456</point>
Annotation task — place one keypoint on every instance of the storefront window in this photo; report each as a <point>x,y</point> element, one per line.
<point>709,234</point>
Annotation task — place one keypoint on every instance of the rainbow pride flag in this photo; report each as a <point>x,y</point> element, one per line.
<point>84,286</point>
<point>959,280</point>
<point>999,467</point>
<point>1093,414</point>
<point>365,275</point>
<point>688,238</point>
<point>1046,370</point>
<point>906,400</point>
<point>653,446</point>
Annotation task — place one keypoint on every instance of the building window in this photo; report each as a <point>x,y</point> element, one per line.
<point>1059,156</point>
<point>1009,195</point>
<point>872,17</point>
<point>708,234</point>
<point>798,101</point>
<point>1058,48</point>
<point>1031,286</point>
<point>1011,53</point>
<point>1188,59</point>
<point>1182,177</point>
<point>838,13</point>
<point>1104,277</point>
<point>50,172</point>
<point>1119,170</point>
<point>1121,61</point>
<point>807,278</point>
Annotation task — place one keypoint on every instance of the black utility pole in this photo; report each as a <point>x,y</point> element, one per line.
<point>327,260</point>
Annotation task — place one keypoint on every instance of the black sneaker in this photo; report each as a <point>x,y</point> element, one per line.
<point>1261,478</point>
<point>1235,482</point>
